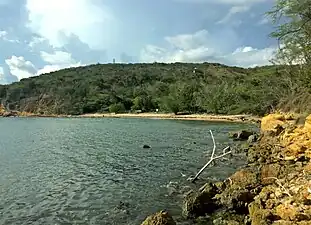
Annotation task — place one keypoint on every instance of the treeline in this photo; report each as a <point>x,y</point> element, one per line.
<point>182,87</point>
<point>177,88</point>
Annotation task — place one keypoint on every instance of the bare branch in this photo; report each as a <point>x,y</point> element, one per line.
<point>213,157</point>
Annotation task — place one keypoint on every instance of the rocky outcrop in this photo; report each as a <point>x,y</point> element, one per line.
<point>160,218</point>
<point>200,203</point>
<point>275,186</point>
<point>240,190</point>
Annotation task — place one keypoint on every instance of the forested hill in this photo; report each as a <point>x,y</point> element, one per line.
<point>178,87</point>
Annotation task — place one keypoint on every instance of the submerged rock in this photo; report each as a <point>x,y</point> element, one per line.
<point>242,135</point>
<point>160,218</point>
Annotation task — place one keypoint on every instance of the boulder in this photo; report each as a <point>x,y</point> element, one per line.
<point>159,218</point>
<point>252,139</point>
<point>271,122</point>
<point>240,192</point>
<point>199,203</point>
<point>242,135</point>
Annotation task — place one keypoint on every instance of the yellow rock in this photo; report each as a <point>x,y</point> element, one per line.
<point>286,211</point>
<point>269,123</point>
<point>308,124</point>
<point>160,218</point>
<point>297,141</point>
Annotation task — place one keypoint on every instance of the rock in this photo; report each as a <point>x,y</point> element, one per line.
<point>241,135</point>
<point>240,192</point>
<point>235,198</point>
<point>258,215</point>
<point>10,114</point>
<point>270,122</point>
<point>199,203</point>
<point>268,171</point>
<point>146,146</point>
<point>160,218</point>
<point>244,178</point>
<point>252,139</point>
<point>225,217</point>
<point>308,123</point>
<point>287,211</point>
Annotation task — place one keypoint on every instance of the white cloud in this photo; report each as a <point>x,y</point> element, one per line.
<point>250,57</point>
<point>58,20</point>
<point>198,47</point>
<point>57,60</point>
<point>188,41</point>
<point>36,41</point>
<point>58,57</point>
<point>53,68</point>
<point>233,11</point>
<point>20,67</point>
<point>4,35</point>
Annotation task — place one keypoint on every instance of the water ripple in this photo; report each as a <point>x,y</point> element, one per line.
<point>95,171</point>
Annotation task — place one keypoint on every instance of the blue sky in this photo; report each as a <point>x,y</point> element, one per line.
<point>39,36</point>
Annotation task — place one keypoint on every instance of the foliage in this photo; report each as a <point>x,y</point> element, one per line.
<point>293,21</point>
<point>173,88</point>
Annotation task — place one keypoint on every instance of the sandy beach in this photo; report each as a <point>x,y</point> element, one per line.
<point>202,117</point>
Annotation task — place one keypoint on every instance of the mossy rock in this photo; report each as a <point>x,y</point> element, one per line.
<point>258,215</point>
<point>159,218</point>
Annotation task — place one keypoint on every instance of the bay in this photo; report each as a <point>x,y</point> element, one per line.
<point>96,171</point>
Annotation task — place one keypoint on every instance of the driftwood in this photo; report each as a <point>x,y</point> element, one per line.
<point>213,157</point>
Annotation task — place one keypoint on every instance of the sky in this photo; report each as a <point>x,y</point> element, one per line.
<point>41,36</point>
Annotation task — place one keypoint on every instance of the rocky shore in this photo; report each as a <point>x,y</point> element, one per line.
<point>273,188</point>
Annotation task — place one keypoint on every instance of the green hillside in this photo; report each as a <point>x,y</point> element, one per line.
<point>178,87</point>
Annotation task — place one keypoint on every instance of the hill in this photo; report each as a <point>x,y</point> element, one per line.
<point>177,87</point>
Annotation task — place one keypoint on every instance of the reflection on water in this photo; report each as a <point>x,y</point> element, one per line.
<point>95,171</point>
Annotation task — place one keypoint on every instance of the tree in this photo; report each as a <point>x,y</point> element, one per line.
<point>293,31</point>
<point>293,21</point>
<point>117,108</point>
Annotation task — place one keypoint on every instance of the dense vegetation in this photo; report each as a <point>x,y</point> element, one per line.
<point>292,19</point>
<point>187,88</point>
<point>178,87</point>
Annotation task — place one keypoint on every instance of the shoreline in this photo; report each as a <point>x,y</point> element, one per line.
<point>274,186</point>
<point>194,117</point>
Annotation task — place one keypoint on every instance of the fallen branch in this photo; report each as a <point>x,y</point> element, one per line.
<point>211,159</point>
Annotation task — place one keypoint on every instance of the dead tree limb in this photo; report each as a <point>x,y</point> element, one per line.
<point>212,158</point>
